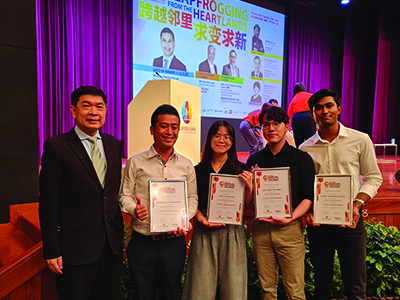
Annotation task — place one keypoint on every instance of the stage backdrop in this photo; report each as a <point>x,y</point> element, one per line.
<point>88,42</point>
<point>193,29</point>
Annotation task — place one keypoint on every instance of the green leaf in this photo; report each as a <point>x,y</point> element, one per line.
<point>378,265</point>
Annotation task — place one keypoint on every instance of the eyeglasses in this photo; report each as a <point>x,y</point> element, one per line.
<point>268,125</point>
<point>225,138</point>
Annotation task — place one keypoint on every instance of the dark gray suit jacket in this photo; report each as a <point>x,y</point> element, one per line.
<point>253,73</point>
<point>176,64</point>
<point>205,67</point>
<point>226,70</point>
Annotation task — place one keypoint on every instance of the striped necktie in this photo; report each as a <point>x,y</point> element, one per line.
<point>165,63</point>
<point>98,160</point>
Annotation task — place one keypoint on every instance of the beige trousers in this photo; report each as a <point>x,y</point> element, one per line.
<point>275,245</point>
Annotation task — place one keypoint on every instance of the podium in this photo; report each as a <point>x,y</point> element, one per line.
<point>184,97</point>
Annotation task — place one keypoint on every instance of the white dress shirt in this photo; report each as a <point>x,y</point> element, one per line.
<point>351,152</point>
<point>211,66</point>
<point>88,145</point>
<point>233,70</point>
<point>147,166</point>
<point>169,60</point>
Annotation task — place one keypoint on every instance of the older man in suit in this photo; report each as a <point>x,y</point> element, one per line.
<point>80,217</point>
<point>231,69</point>
<point>168,60</point>
<point>208,65</point>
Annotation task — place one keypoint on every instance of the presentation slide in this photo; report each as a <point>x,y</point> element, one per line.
<point>232,50</point>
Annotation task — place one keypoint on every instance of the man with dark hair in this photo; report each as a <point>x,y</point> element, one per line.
<point>336,149</point>
<point>168,60</point>
<point>208,65</point>
<point>257,44</point>
<point>301,120</point>
<point>231,69</point>
<point>156,258</point>
<point>273,102</point>
<point>279,241</point>
<point>257,66</point>
<point>80,217</point>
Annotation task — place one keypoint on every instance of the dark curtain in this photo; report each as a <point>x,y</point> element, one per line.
<point>359,65</point>
<point>357,56</point>
<point>315,54</point>
<point>89,42</point>
<point>83,42</point>
<point>387,107</point>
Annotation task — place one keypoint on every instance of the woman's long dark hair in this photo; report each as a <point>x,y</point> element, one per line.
<point>208,152</point>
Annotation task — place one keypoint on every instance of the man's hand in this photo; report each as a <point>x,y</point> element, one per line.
<point>181,231</point>
<point>277,220</point>
<point>55,265</point>
<point>356,215</point>
<point>310,220</point>
<point>141,210</point>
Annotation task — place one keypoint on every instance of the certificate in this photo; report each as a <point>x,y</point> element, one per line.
<point>168,205</point>
<point>273,195</point>
<point>333,199</point>
<point>225,199</point>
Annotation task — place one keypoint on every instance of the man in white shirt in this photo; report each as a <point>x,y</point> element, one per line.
<point>208,65</point>
<point>156,258</point>
<point>336,149</point>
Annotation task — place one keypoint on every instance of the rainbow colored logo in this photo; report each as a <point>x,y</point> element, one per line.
<point>186,112</point>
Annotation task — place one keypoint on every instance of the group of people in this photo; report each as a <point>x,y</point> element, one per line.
<point>81,197</point>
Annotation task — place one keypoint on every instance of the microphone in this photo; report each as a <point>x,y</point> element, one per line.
<point>159,75</point>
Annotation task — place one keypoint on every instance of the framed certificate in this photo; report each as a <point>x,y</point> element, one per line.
<point>225,199</point>
<point>333,199</point>
<point>168,205</point>
<point>273,195</point>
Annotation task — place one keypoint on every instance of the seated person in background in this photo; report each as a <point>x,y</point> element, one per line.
<point>217,254</point>
<point>279,241</point>
<point>250,129</point>
<point>273,102</point>
<point>208,65</point>
<point>256,97</point>
<point>168,60</point>
<point>257,44</point>
<point>257,66</point>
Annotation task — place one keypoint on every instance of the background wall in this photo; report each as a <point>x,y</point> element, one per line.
<point>18,113</point>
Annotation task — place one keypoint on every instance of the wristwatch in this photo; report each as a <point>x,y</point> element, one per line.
<point>359,200</point>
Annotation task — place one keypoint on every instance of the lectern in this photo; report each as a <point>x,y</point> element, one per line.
<point>184,97</point>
